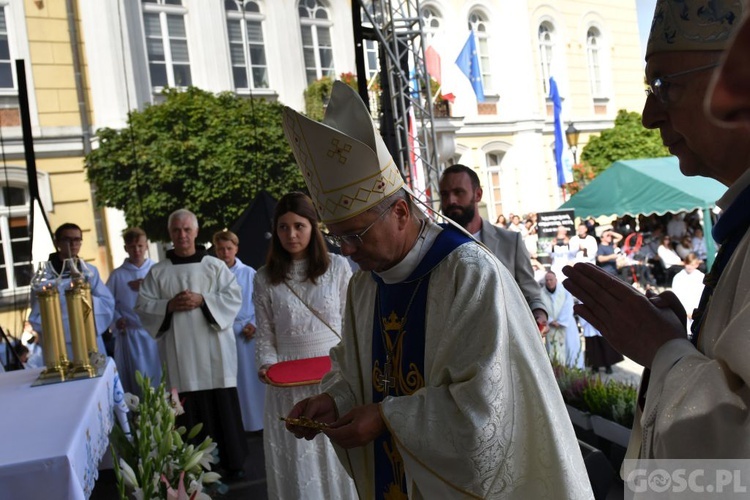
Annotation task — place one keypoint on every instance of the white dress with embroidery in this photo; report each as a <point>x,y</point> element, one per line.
<point>288,330</point>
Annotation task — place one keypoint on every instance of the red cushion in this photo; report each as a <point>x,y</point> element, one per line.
<point>299,371</point>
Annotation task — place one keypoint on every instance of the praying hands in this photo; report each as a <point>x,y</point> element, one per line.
<point>637,326</point>
<point>185,301</point>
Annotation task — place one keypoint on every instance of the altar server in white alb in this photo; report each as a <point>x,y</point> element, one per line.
<point>68,241</point>
<point>188,302</point>
<point>135,349</point>
<point>441,387</point>
<point>251,390</point>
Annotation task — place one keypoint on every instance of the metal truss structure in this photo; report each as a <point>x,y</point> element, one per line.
<point>407,122</point>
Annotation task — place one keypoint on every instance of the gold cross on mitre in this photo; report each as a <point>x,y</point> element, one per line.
<point>339,150</point>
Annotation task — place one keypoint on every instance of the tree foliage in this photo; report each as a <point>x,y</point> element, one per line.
<point>318,93</point>
<point>628,140</point>
<point>209,153</point>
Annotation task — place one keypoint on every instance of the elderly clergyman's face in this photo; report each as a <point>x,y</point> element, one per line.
<point>702,147</point>
<point>550,281</point>
<point>183,232</point>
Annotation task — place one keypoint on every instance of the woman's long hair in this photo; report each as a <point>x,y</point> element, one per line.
<point>279,260</point>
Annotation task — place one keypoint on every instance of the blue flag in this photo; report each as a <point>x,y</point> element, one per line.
<point>554,94</point>
<point>468,62</point>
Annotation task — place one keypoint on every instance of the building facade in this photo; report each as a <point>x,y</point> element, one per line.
<point>89,62</point>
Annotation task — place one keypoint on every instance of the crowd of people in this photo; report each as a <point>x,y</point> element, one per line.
<point>437,344</point>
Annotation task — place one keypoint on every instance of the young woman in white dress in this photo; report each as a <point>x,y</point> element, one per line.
<point>299,298</point>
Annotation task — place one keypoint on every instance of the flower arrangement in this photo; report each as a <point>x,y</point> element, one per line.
<point>572,382</point>
<point>612,400</point>
<point>584,391</point>
<point>152,458</point>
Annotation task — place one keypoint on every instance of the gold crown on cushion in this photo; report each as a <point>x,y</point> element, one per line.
<point>343,159</point>
<point>693,25</point>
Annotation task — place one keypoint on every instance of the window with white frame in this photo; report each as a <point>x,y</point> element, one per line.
<point>431,19</point>
<point>546,45</point>
<point>6,63</point>
<point>315,25</point>
<point>15,240</point>
<point>372,64</point>
<point>371,59</point>
<point>593,60</point>
<point>479,25</point>
<point>495,203</point>
<point>166,43</point>
<point>246,47</point>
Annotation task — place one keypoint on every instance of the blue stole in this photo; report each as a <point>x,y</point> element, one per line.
<point>399,329</point>
<point>728,232</point>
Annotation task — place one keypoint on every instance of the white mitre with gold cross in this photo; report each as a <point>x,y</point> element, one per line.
<point>343,159</point>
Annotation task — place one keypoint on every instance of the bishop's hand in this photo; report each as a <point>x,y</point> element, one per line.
<point>320,408</point>
<point>358,427</point>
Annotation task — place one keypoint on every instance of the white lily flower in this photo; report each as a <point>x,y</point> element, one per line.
<point>206,460</point>
<point>195,459</point>
<point>161,442</point>
<point>132,401</point>
<point>211,477</point>
<point>128,474</point>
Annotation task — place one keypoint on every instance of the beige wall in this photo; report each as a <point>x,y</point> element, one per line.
<point>52,63</point>
<point>57,132</point>
<point>622,66</point>
<point>528,175</point>
<point>58,113</point>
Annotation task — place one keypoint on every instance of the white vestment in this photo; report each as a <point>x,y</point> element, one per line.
<point>698,400</point>
<point>585,248</point>
<point>561,255</point>
<point>489,421</point>
<point>199,354</point>
<point>688,287</point>
<point>564,342</point>
<point>668,257</point>
<point>288,330</point>
<point>250,389</point>
<point>104,305</point>
<point>135,349</point>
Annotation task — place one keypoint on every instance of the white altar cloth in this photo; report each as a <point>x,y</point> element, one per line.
<point>53,437</point>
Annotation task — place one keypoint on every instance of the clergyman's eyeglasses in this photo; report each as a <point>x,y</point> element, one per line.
<point>354,239</point>
<point>659,86</point>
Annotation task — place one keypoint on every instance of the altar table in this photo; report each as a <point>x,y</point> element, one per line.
<point>53,437</point>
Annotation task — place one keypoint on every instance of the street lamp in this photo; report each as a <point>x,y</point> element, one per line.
<point>571,135</point>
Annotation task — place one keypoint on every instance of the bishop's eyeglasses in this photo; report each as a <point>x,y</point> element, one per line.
<point>354,239</point>
<point>659,86</point>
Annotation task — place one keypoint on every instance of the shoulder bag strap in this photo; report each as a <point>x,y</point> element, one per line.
<point>316,313</point>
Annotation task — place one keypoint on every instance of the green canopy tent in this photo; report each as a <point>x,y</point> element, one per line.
<point>654,185</point>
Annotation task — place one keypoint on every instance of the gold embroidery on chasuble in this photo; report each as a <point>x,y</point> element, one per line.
<point>407,379</point>
<point>394,491</point>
